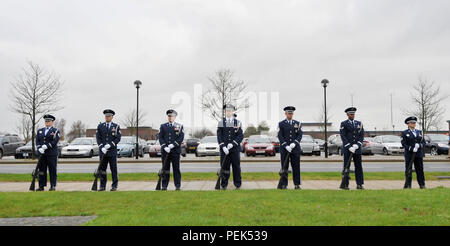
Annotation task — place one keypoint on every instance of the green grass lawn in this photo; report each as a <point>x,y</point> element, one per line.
<point>243,207</point>
<point>212,176</point>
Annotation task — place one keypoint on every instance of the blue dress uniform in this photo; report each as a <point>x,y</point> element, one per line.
<point>171,133</point>
<point>290,132</point>
<point>352,132</point>
<point>409,140</point>
<point>108,133</point>
<point>48,137</point>
<point>229,131</point>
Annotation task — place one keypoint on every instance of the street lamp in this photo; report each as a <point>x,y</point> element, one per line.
<point>325,83</point>
<point>137,84</point>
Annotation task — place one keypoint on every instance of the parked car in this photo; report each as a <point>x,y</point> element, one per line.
<point>244,142</point>
<point>192,144</point>
<point>8,145</point>
<point>276,144</point>
<point>335,145</point>
<point>208,147</point>
<point>320,142</point>
<point>155,149</point>
<point>81,147</point>
<point>259,145</point>
<point>151,142</point>
<point>127,147</point>
<point>308,146</point>
<point>437,144</point>
<point>387,145</point>
<point>24,152</point>
<point>366,147</point>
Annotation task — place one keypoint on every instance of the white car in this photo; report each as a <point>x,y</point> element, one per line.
<point>208,147</point>
<point>387,145</point>
<point>81,147</point>
<point>309,146</point>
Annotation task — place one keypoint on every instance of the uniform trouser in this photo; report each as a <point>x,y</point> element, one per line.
<point>233,159</point>
<point>418,166</point>
<point>173,158</point>
<point>112,160</point>
<point>357,160</point>
<point>295,164</point>
<point>49,162</point>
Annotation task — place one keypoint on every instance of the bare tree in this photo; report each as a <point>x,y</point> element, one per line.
<point>225,89</point>
<point>201,133</point>
<point>321,116</point>
<point>77,130</point>
<point>24,128</point>
<point>34,93</point>
<point>61,125</point>
<point>130,119</point>
<point>427,100</point>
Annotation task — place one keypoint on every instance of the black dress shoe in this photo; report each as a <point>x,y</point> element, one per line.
<point>238,187</point>
<point>407,187</point>
<point>102,189</point>
<point>40,189</point>
<point>113,188</point>
<point>360,187</point>
<point>177,188</point>
<point>344,188</point>
<point>53,188</point>
<point>297,187</point>
<point>164,188</point>
<point>224,188</point>
<point>283,187</point>
<point>423,187</point>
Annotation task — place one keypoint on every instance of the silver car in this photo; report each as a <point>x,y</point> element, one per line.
<point>387,145</point>
<point>309,146</point>
<point>81,147</point>
<point>208,147</point>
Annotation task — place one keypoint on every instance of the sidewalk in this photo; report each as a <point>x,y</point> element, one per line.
<point>209,185</point>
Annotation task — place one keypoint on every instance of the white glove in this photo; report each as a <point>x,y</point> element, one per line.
<point>41,150</point>
<point>289,149</point>
<point>167,149</point>
<point>355,146</point>
<point>107,146</point>
<point>352,149</point>
<point>104,150</point>
<point>171,146</point>
<point>417,146</point>
<point>225,150</point>
<point>44,147</point>
<point>230,146</point>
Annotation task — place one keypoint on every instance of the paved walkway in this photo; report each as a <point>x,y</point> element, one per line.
<point>46,221</point>
<point>209,185</point>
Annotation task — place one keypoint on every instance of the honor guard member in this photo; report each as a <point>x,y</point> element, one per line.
<point>229,137</point>
<point>352,135</point>
<point>413,142</point>
<point>47,139</point>
<point>108,136</point>
<point>290,135</point>
<point>171,136</point>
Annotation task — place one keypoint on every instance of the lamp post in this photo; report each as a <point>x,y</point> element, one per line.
<point>325,83</point>
<point>137,84</point>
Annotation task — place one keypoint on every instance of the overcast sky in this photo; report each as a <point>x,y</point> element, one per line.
<point>368,48</point>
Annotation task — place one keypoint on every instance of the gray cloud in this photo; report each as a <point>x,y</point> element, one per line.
<point>369,48</point>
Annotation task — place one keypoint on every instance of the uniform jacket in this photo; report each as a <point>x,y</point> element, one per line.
<point>290,133</point>
<point>352,134</point>
<point>230,133</point>
<point>109,136</point>
<point>409,141</point>
<point>171,135</point>
<point>50,140</point>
